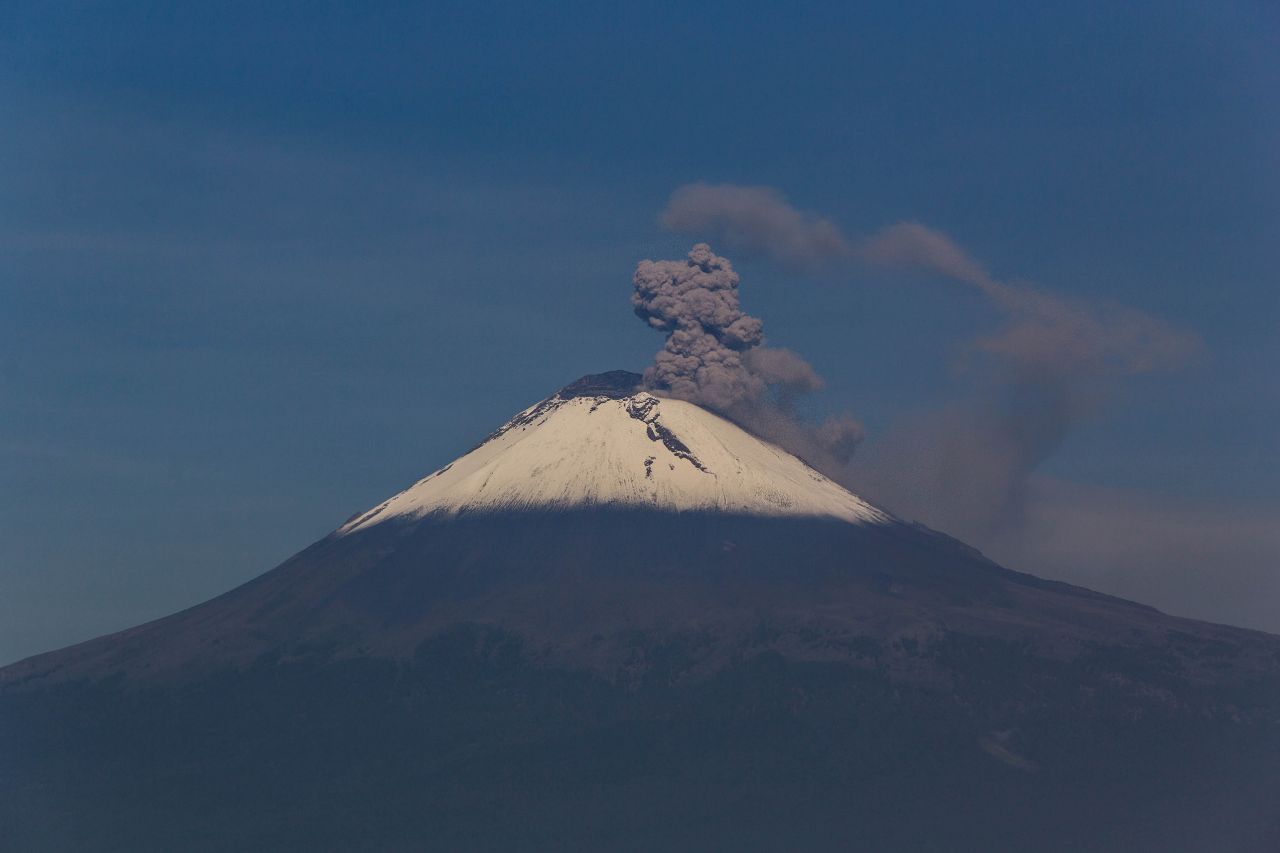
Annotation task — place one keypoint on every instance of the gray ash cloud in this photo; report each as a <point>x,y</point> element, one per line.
<point>1052,363</point>
<point>695,302</point>
<point>714,355</point>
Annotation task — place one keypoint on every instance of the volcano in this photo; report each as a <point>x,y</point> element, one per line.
<point>624,622</point>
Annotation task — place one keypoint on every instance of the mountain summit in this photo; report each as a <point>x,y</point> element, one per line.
<point>603,442</point>
<point>621,622</point>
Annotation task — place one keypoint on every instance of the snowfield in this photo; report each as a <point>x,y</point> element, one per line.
<point>632,451</point>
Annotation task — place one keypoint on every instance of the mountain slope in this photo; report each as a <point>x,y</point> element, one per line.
<point>599,630</point>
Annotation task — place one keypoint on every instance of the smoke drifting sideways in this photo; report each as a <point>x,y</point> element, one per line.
<point>715,356</point>
<point>1052,365</point>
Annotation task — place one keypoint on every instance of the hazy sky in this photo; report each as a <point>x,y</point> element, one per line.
<point>262,267</point>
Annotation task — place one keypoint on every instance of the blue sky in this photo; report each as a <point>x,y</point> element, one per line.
<point>262,267</point>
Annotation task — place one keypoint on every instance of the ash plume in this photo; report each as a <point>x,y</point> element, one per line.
<point>714,356</point>
<point>1051,365</point>
<point>910,244</point>
<point>755,219</point>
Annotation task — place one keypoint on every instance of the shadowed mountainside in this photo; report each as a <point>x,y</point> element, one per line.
<point>631,680</point>
<point>569,640</point>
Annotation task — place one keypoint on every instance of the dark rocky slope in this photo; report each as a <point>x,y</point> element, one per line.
<point>637,681</point>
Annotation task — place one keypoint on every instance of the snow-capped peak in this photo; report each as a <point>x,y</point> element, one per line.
<point>600,442</point>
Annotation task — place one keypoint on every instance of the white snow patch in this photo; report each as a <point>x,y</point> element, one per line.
<point>640,451</point>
